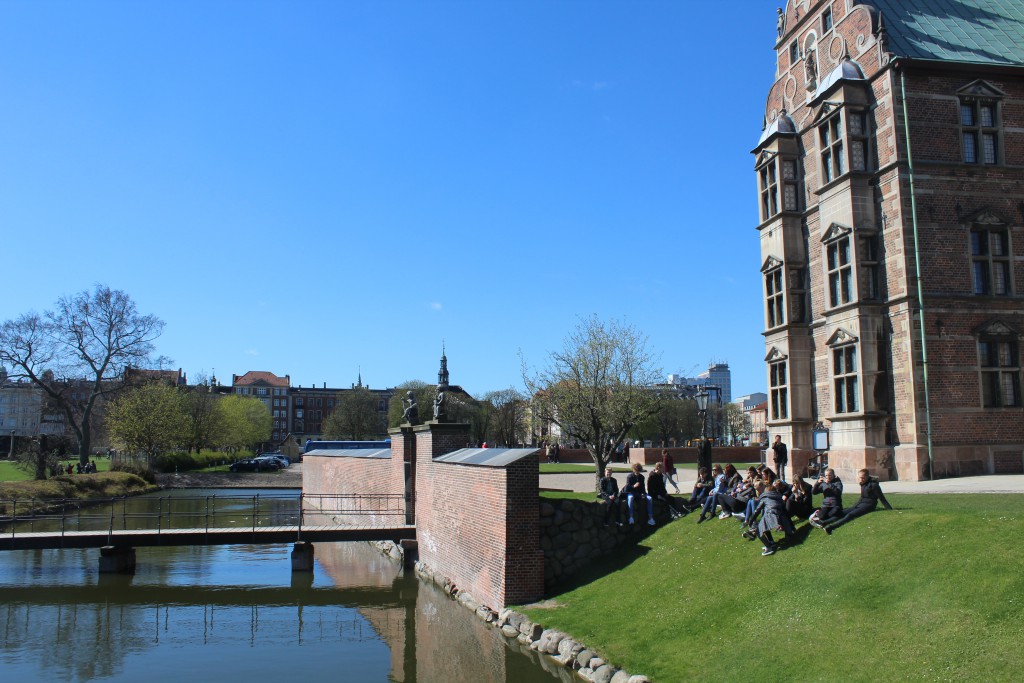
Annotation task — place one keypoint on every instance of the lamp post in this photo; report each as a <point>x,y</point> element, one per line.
<point>10,448</point>
<point>704,449</point>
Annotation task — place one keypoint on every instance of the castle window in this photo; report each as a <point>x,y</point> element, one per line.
<point>857,127</point>
<point>826,20</point>
<point>869,268</point>
<point>840,272</point>
<point>769,191</point>
<point>979,126</point>
<point>830,135</point>
<point>999,359</point>
<point>773,295</point>
<point>779,389</point>
<point>844,378</point>
<point>794,52</point>
<point>789,181</point>
<point>990,261</point>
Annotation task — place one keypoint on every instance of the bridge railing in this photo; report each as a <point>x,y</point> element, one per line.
<point>166,513</point>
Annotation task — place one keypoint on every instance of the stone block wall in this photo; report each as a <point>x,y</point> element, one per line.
<point>572,535</point>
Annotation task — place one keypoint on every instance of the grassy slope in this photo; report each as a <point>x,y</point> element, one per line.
<point>76,486</point>
<point>932,591</point>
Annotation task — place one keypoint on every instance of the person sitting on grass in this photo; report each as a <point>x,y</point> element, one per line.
<point>773,517</point>
<point>831,487</point>
<point>729,481</point>
<point>656,489</point>
<point>734,502</point>
<point>764,483</point>
<point>720,482</point>
<point>798,501</point>
<point>610,493</point>
<point>635,488</point>
<point>870,495</point>
<point>701,488</point>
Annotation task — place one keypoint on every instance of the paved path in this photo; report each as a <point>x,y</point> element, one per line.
<point>999,483</point>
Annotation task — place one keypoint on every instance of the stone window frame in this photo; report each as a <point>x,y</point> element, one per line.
<point>831,147</point>
<point>980,117</point>
<point>869,271</point>
<point>774,293</point>
<point>768,185</point>
<point>845,373</point>
<point>840,283</point>
<point>794,52</point>
<point>990,250</point>
<point>844,140</point>
<point>826,20</point>
<point>999,366</point>
<point>778,385</point>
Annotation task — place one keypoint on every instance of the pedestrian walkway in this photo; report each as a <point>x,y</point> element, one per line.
<point>992,483</point>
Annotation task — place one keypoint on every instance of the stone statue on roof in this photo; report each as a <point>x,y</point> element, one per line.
<point>781,23</point>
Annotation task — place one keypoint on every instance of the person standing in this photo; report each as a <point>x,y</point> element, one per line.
<point>668,468</point>
<point>781,457</point>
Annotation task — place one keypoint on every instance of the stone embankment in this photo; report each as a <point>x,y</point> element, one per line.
<point>568,655</point>
<point>572,534</point>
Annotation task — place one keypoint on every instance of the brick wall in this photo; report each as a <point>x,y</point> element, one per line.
<point>476,525</point>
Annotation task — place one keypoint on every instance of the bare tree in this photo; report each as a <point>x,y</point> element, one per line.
<point>78,352</point>
<point>597,387</point>
<point>507,417</point>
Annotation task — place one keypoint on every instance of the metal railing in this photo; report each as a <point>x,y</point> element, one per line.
<point>166,513</point>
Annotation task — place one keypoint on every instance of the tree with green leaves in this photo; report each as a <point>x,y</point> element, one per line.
<point>149,419</point>
<point>355,417</point>
<point>246,421</point>
<point>597,387</point>
<point>78,352</point>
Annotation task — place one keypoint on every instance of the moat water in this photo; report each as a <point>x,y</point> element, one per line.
<point>239,613</point>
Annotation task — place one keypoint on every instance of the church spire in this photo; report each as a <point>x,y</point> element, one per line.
<point>442,374</point>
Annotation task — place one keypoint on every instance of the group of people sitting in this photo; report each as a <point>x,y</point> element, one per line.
<point>762,501</point>
<point>57,468</point>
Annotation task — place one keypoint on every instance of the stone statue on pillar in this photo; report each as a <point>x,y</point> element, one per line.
<point>411,412</point>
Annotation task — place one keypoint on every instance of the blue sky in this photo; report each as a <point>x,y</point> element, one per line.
<point>313,187</point>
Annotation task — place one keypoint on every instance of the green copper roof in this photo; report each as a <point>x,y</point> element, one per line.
<point>975,31</point>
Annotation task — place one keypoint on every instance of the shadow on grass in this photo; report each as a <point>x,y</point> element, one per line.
<point>623,556</point>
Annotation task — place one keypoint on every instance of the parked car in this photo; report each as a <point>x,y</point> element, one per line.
<point>281,459</point>
<point>254,465</point>
<point>268,462</point>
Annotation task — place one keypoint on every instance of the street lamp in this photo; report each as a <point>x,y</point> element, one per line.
<point>704,449</point>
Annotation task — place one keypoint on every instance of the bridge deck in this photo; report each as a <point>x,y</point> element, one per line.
<point>221,536</point>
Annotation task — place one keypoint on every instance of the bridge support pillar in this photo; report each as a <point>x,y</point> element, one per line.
<point>117,559</point>
<point>302,557</point>
<point>410,552</point>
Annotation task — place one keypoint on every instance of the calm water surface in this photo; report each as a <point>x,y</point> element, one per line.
<point>238,612</point>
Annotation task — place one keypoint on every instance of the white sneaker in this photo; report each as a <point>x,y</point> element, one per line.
<point>651,522</point>
<point>725,515</point>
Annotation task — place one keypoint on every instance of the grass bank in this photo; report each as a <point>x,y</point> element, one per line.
<point>75,487</point>
<point>932,591</point>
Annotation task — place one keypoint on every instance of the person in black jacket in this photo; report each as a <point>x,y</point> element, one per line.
<point>831,487</point>
<point>656,489</point>
<point>610,493</point>
<point>870,495</point>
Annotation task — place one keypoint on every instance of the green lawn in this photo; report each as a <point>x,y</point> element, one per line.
<point>11,472</point>
<point>575,468</point>
<point>933,591</point>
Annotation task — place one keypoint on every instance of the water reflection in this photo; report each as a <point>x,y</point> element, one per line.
<point>238,611</point>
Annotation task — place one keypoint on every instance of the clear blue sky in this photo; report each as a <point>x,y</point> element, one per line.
<point>311,187</point>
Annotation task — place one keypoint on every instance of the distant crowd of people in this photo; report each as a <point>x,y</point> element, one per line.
<point>764,503</point>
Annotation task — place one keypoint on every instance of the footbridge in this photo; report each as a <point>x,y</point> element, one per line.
<point>119,525</point>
